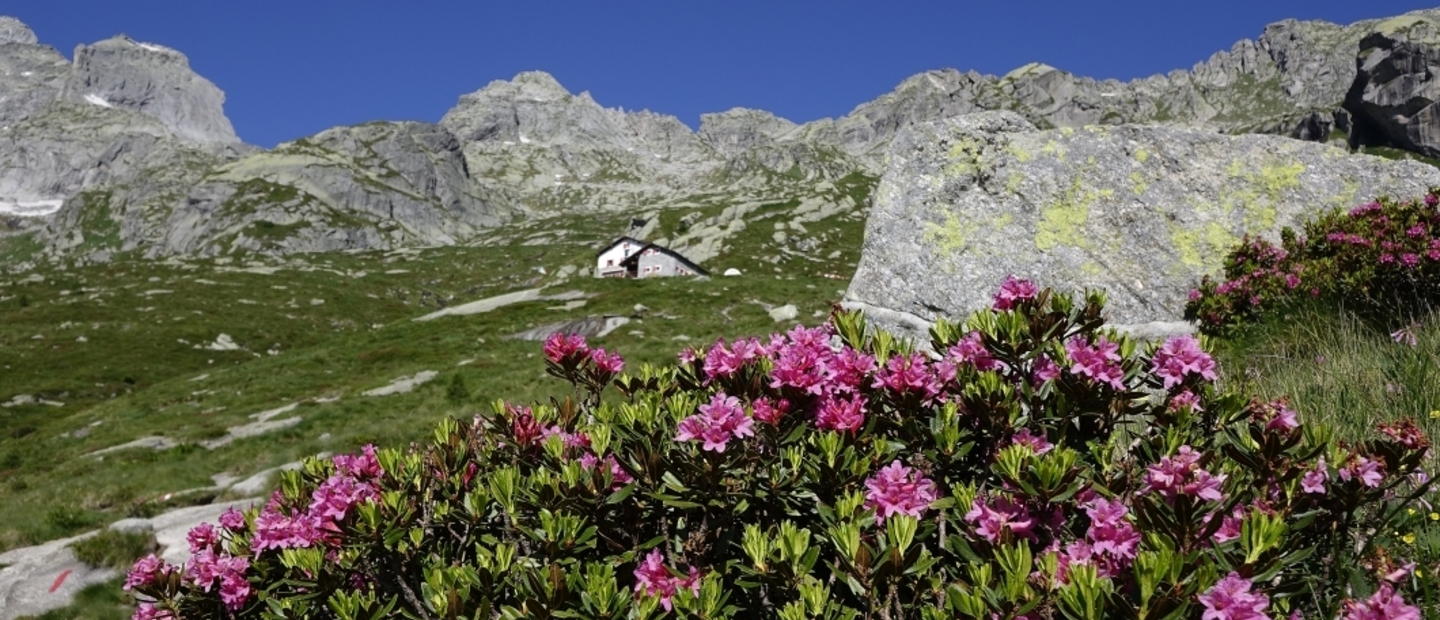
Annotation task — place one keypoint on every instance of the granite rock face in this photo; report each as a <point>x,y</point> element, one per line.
<point>374,186</point>
<point>1141,212</point>
<point>151,79</point>
<point>1395,91</point>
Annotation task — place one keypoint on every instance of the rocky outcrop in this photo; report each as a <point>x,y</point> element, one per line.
<point>1395,91</point>
<point>374,186</point>
<point>1140,212</point>
<point>31,74</point>
<point>153,80</point>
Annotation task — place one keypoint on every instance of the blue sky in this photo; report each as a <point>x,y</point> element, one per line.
<point>291,68</point>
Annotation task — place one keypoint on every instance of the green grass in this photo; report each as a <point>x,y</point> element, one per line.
<point>1338,370</point>
<point>111,549</point>
<point>122,345</point>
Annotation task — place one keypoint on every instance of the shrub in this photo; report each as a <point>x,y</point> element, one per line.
<point>1381,260</point>
<point>1038,466</point>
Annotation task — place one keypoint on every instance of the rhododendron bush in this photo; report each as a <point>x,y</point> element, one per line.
<point>1028,463</point>
<point>1381,259</point>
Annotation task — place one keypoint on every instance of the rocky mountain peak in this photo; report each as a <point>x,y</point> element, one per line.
<point>15,31</point>
<point>737,129</point>
<point>153,80</point>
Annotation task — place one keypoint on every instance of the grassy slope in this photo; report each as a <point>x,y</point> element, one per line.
<point>137,372</point>
<point>1338,370</point>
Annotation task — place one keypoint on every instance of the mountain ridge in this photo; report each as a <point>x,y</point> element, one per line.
<point>531,148</point>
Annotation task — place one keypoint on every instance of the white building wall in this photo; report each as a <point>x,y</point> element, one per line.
<point>610,260</point>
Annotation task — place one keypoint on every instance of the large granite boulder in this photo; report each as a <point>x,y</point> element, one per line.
<point>1139,211</point>
<point>1395,91</point>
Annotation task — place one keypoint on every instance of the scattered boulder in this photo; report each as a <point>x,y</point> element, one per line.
<point>589,327</point>
<point>1141,212</point>
<point>787,312</point>
<point>404,384</point>
<point>144,443</point>
<point>132,526</point>
<point>731,272</point>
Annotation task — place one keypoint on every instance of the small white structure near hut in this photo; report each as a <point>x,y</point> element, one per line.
<point>627,257</point>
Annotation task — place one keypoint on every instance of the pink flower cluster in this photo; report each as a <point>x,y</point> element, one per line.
<point>1003,514</point>
<point>1037,443</point>
<point>147,571</point>
<point>897,489</point>
<point>1099,361</point>
<point>570,353</point>
<point>971,350</point>
<point>913,375</point>
<point>1406,433</point>
<point>1276,415</point>
<point>1179,357</point>
<point>717,423</point>
<point>1313,481</point>
<point>1013,291</point>
<point>1231,599</point>
<point>1181,474</point>
<point>1384,604</point>
<point>208,567</point>
<point>352,484</point>
<point>1110,545</point>
<point>652,578</point>
<point>1370,473</point>
<point>618,476</point>
<point>722,362</point>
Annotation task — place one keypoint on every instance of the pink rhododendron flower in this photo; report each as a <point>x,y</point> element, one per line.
<point>717,423</point>
<point>523,426</point>
<point>1004,514</point>
<point>971,350</point>
<point>1405,335</point>
<point>1179,357</point>
<point>769,411</point>
<point>897,489</point>
<point>841,414</point>
<point>1276,415</point>
<point>1431,200</point>
<point>1369,473</point>
<point>276,530</point>
<point>1315,479</point>
<point>722,362</point>
<point>1384,604</point>
<point>201,537</point>
<point>1185,400</point>
<point>571,440</point>
<point>232,520</point>
<point>1013,291</point>
<point>1231,599</point>
<point>1037,443</point>
<point>565,349</point>
<point>618,476</point>
<point>1112,537</point>
<point>908,374</point>
<point>1098,361</point>
<point>1406,434</point>
<point>652,578</point>
<point>607,363</point>
<point>364,466</point>
<point>145,571</point>
<point>334,498</point>
<point>802,359</point>
<point>149,611</point>
<point>1044,369</point>
<point>849,369</point>
<point>206,567</point>
<point>1229,525</point>
<point>1180,474</point>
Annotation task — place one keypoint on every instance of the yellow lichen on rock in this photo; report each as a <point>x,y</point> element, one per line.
<point>1061,223</point>
<point>1137,183</point>
<point>1203,250</point>
<point>951,237</point>
<point>1141,155</point>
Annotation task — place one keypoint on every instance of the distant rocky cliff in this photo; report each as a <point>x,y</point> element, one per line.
<point>137,148</point>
